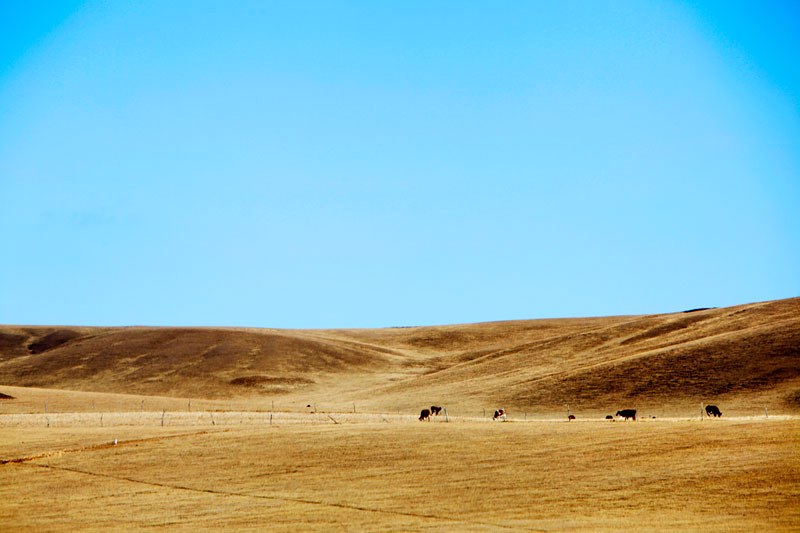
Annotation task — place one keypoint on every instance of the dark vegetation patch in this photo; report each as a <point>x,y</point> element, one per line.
<point>13,345</point>
<point>794,399</point>
<point>441,339</point>
<point>5,397</point>
<point>698,309</point>
<point>10,341</point>
<point>664,329</point>
<point>258,381</point>
<point>52,340</point>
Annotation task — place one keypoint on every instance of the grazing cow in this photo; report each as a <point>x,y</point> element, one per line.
<point>424,415</point>
<point>712,410</point>
<point>609,417</point>
<point>571,417</point>
<point>500,413</point>
<point>435,410</point>
<point>627,413</point>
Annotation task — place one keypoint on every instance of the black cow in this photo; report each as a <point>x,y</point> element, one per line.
<point>627,413</point>
<point>609,417</point>
<point>712,410</point>
<point>571,417</point>
<point>435,410</point>
<point>425,414</point>
<point>500,413</point>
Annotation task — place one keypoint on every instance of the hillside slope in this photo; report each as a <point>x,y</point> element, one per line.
<point>739,355</point>
<point>746,353</point>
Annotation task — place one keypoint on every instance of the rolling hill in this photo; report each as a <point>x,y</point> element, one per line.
<point>742,357</point>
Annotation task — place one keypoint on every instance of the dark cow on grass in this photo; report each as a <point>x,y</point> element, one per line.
<point>435,410</point>
<point>609,417</point>
<point>424,415</point>
<point>571,417</point>
<point>712,410</point>
<point>627,413</point>
<point>500,413</point>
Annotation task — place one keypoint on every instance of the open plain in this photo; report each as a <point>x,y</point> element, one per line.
<point>183,429</point>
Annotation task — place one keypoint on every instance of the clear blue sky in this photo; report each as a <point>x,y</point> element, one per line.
<point>366,164</point>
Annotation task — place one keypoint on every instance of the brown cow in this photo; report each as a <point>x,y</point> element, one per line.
<point>425,415</point>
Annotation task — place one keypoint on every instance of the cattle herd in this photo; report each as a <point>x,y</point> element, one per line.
<point>625,414</point>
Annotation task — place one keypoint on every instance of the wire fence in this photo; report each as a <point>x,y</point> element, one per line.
<point>229,419</point>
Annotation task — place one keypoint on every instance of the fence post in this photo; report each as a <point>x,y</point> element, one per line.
<point>446,419</point>
<point>701,411</point>
<point>101,419</point>
<point>164,412</point>
<point>766,413</point>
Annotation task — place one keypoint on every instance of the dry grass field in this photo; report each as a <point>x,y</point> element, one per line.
<point>316,430</point>
<point>468,476</point>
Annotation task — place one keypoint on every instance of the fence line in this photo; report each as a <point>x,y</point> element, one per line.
<point>223,419</point>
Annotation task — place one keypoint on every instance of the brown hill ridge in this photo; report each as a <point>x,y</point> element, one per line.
<point>742,356</point>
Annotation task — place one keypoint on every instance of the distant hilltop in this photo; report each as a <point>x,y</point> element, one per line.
<point>747,354</point>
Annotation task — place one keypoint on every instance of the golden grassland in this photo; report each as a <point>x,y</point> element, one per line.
<point>317,430</point>
<point>743,357</point>
<point>402,475</point>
